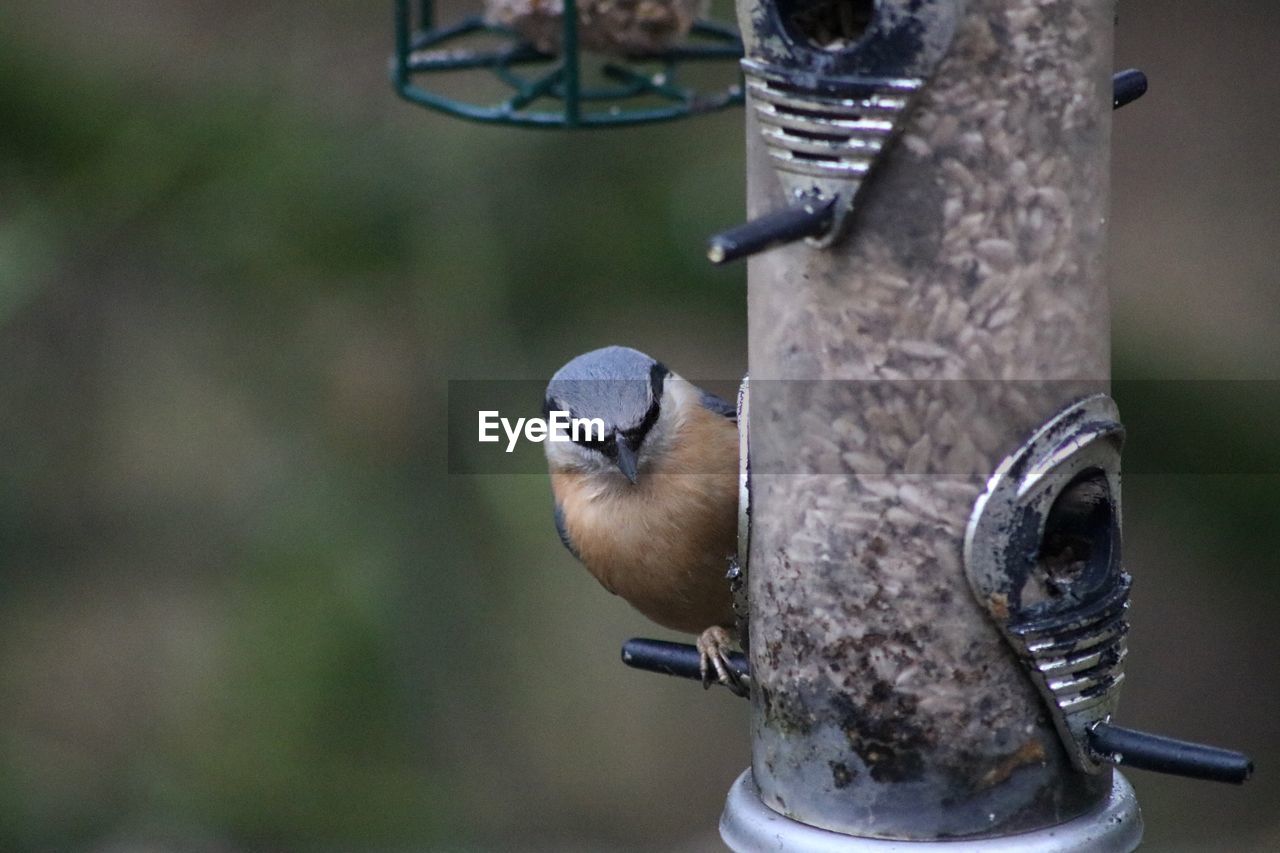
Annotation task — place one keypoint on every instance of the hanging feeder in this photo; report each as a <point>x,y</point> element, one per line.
<point>563,67</point>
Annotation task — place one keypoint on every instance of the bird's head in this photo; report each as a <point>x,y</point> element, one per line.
<point>623,389</point>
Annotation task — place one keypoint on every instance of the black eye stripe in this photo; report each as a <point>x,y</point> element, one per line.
<point>608,447</point>
<point>657,374</point>
<point>637,434</point>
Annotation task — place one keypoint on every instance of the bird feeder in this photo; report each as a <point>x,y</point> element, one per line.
<point>937,599</point>
<point>930,577</point>
<point>562,68</point>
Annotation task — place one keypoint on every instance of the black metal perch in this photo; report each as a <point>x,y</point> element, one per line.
<point>1118,745</point>
<point>814,216</point>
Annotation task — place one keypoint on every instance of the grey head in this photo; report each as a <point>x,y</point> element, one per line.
<point>620,386</point>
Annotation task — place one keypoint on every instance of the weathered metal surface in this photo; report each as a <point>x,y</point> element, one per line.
<point>890,375</point>
<point>1113,826</point>
<point>1043,556</point>
<point>831,84</point>
<point>738,571</point>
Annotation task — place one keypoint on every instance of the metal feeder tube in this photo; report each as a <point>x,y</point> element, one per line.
<point>892,370</point>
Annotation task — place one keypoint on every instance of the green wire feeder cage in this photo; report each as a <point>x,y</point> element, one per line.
<point>623,82</point>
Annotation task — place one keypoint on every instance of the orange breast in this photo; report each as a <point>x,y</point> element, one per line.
<point>664,544</point>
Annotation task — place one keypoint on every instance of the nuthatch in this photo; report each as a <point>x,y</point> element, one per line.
<point>614,27</point>
<point>651,509</point>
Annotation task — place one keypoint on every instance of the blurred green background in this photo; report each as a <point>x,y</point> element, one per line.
<point>242,604</point>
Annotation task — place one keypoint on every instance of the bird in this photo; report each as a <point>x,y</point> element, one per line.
<point>651,506</point>
<point>625,28</point>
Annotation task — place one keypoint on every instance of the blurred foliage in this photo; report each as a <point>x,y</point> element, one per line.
<point>229,315</point>
<point>243,607</point>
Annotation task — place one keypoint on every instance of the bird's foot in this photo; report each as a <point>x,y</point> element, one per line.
<point>713,648</point>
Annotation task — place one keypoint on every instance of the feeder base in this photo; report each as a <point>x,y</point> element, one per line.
<point>748,824</point>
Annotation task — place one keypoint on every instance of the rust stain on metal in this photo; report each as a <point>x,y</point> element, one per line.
<point>886,733</point>
<point>1031,752</point>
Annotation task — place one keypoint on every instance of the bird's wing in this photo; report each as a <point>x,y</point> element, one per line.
<point>713,403</point>
<point>558,514</point>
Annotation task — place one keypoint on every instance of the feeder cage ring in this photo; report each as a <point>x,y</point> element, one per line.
<point>550,90</point>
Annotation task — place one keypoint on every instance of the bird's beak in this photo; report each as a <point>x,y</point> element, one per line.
<point>626,461</point>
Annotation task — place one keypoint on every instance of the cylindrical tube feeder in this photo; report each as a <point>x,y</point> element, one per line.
<point>957,306</point>
<point>928,582</point>
<point>930,520</point>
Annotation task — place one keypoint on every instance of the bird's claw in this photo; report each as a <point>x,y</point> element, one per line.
<point>713,645</point>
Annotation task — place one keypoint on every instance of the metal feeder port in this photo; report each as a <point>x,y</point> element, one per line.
<point>829,83</point>
<point>1043,557</point>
